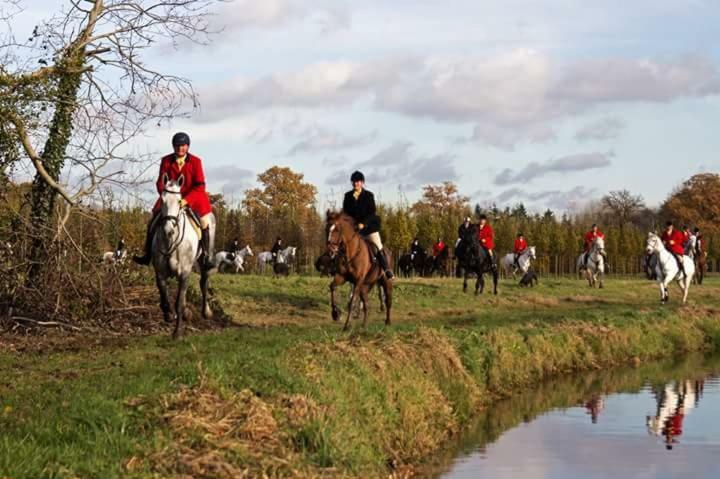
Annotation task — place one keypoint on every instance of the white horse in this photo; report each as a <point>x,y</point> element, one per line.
<point>508,262</point>
<point>109,258</point>
<point>238,259</point>
<point>176,248</point>
<point>263,259</point>
<point>287,255</point>
<point>667,268</point>
<point>594,270</point>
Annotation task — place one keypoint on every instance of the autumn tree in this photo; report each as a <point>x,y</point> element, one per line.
<point>623,206</point>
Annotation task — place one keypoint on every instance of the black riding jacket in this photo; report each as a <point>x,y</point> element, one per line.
<point>276,248</point>
<point>362,210</point>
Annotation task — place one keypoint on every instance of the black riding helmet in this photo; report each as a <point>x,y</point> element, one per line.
<point>696,230</point>
<point>357,176</point>
<point>669,223</point>
<point>180,139</point>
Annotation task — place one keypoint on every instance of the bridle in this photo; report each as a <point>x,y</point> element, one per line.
<point>336,248</point>
<point>175,220</point>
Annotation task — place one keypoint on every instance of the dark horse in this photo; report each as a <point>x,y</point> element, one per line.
<point>412,263</point>
<point>474,259</point>
<point>438,264</point>
<point>356,265</point>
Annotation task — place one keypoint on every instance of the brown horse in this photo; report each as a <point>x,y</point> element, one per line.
<point>700,267</point>
<point>357,264</point>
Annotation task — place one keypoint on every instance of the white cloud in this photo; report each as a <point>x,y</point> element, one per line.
<point>324,139</point>
<point>242,14</point>
<point>604,129</point>
<point>565,164</point>
<point>511,97</point>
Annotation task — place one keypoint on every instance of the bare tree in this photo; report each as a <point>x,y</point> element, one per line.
<point>77,91</point>
<point>622,205</point>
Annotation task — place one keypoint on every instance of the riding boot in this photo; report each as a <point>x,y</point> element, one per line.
<point>383,264</point>
<point>207,261</point>
<point>147,251</point>
<point>585,259</point>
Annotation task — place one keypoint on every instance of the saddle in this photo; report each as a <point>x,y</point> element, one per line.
<point>194,220</point>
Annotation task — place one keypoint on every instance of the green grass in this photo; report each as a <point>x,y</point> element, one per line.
<point>344,404</point>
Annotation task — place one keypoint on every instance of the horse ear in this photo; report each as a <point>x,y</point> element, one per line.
<point>165,179</point>
<point>181,180</point>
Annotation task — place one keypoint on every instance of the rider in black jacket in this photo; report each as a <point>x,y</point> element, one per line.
<point>359,203</point>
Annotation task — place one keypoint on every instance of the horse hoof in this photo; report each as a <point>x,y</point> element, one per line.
<point>335,314</point>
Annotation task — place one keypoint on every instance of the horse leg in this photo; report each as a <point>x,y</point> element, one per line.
<point>353,293</point>
<point>180,305</point>
<point>465,281</point>
<point>479,283</point>
<point>164,302</point>
<point>337,281</point>
<point>364,296</point>
<point>685,288</point>
<point>387,288</point>
<point>495,280</point>
<point>204,278</point>
<point>382,299</point>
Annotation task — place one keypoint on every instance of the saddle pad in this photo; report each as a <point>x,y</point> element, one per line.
<point>194,221</point>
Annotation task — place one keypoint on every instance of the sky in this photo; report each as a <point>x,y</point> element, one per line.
<point>548,102</point>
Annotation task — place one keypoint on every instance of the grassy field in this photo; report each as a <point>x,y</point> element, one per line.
<point>286,393</point>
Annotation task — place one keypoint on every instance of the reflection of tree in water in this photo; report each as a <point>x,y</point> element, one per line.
<point>674,401</point>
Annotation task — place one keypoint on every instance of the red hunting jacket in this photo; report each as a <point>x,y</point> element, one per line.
<point>520,246</point>
<point>486,237</point>
<point>590,237</point>
<point>674,241</point>
<point>438,248</point>
<point>193,188</point>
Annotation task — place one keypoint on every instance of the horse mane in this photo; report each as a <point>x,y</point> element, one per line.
<point>333,216</point>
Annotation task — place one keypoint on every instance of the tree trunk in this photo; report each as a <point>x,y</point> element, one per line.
<point>42,196</point>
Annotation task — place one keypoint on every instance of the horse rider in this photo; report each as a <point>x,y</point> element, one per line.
<point>486,237</point>
<point>589,239</point>
<point>519,248</point>
<point>688,241</point>
<point>194,196</point>
<point>119,249</point>
<point>463,230</point>
<point>438,247</point>
<point>674,241</point>
<point>415,248</point>
<point>232,250</point>
<point>699,241</point>
<point>277,247</point>
<point>359,204</point>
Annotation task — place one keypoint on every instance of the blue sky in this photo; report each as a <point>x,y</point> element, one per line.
<point>550,102</point>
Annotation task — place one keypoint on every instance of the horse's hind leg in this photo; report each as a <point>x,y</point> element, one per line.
<point>495,281</point>
<point>382,299</point>
<point>364,295</point>
<point>180,305</point>
<point>387,288</point>
<point>204,278</point>
<point>164,302</point>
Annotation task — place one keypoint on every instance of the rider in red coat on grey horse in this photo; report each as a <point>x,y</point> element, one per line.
<point>194,195</point>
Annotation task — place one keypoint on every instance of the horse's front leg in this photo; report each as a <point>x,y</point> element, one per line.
<point>353,293</point>
<point>337,281</point>
<point>387,288</point>
<point>164,302</point>
<point>495,280</point>
<point>479,284</point>
<point>382,300</point>
<point>180,304</point>
<point>204,279</point>
<point>465,280</point>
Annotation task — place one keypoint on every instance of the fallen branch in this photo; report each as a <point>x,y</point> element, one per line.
<point>57,324</point>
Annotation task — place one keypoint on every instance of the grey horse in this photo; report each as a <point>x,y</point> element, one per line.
<point>176,248</point>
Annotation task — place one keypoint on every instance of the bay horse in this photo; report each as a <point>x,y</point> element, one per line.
<point>474,259</point>
<point>176,248</point>
<point>356,265</point>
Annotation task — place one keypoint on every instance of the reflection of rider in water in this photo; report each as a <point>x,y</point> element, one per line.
<point>673,426</point>
<point>594,406</point>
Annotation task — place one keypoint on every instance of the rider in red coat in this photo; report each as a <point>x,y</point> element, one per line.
<point>674,241</point>
<point>589,238</point>
<point>519,248</point>
<point>438,247</point>
<point>486,237</point>
<point>193,193</point>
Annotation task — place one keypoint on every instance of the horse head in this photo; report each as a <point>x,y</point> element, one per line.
<point>248,251</point>
<point>653,244</point>
<point>170,198</point>
<point>337,225</point>
<point>599,244</point>
<point>531,252</point>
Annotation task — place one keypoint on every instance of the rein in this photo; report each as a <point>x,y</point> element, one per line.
<point>175,220</point>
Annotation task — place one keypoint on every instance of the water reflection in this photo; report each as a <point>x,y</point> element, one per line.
<point>659,420</point>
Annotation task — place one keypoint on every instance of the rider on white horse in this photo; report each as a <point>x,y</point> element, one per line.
<point>277,247</point>
<point>182,163</point>
<point>589,239</point>
<point>674,241</point>
<point>519,248</point>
